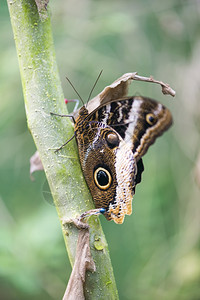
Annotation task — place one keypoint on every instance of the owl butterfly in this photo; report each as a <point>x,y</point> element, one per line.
<point>113,133</point>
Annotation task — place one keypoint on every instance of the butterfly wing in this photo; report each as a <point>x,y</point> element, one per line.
<point>111,141</point>
<point>138,120</point>
<point>109,168</point>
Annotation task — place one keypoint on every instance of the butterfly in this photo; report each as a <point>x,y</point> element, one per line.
<point>113,133</point>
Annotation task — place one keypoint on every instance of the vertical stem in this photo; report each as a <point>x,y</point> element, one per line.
<point>43,94</point>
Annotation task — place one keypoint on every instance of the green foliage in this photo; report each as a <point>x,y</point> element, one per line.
<point>155,253</point>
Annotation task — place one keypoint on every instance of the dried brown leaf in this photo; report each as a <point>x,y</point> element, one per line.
<point>119,89</point>
<point>41,4</point>
<point>116,90</point>
<point>42,8</point>
<point>35,164</point>
<point>197,170</point>
<point>83,262</point>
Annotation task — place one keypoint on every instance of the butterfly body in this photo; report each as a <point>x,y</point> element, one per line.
<point>111,141</point>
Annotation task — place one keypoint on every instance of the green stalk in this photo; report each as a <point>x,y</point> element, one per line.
<point>43,94</point>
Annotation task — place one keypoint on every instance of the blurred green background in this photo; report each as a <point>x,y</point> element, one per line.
<point>156,252</point>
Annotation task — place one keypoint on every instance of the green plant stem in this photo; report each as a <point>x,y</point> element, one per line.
<point>43,94</point>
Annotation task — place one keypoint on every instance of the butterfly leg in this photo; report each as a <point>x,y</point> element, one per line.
<point>65,143</point>
<point>62,116</point>
<point>96,211</point>
<point>58,115</point>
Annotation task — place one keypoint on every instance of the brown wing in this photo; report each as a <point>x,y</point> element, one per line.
<point>138,120</point>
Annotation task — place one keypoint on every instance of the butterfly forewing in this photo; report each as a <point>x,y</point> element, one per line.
<point>138,120</point>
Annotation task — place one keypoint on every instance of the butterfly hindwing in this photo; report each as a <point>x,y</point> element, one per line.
<point>109,168</point>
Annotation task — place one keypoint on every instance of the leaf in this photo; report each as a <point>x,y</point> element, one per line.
<point>116,90</point>
<point>119,89</point>
<point>35,164</point>
<point>42,8</point>
<point>83,262</point>
<point>197,170</point>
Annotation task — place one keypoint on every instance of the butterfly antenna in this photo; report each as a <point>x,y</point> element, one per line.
<point>94,86</point>
<point>75,90</point>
